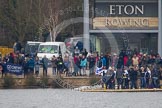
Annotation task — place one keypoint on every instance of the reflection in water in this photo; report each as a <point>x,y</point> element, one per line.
<point>61,98</point>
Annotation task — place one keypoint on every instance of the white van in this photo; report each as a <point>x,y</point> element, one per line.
<point>31,47</point>
<point>71,42</point>
<point>51,48</point>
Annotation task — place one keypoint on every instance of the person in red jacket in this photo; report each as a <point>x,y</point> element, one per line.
<point>125,60</point>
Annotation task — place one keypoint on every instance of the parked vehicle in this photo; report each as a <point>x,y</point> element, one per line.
<point>71,42</point>
<point>51,48</point>
<point>31,48</point>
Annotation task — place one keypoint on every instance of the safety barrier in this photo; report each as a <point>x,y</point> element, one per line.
<point>63,83</point>
<point>67,85</point>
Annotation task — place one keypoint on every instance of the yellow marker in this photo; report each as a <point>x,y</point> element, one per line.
<point>104,86</point>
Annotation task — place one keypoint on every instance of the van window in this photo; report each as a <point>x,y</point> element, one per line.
<point>48,49</point>
<point>31,48</point>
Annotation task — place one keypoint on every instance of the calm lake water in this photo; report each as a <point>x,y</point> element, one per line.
<point>62,98</point>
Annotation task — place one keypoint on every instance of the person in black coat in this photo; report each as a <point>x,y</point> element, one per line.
<point>91,61</point>
<point>155,75</point>
<point>25,67</point>
<point>11,58</point>
<point>108,60</point>
<point>3,68</point>
<point>121,60</point>
<point>84,52</point>
<point>133,72</point>
<point>60,65</point>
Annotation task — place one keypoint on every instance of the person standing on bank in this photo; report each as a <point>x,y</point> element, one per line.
<point>103,59</point>
<point>11,58</point>
<point>54,65</point>
<point>60,65</point>
<point>17,46</point>
<point>45,62</point>
<point>31,64</point>
<point>155,76</point>
<point>148,76</point>
<point>25,66</point>
<point>143,77</point>
<point>91,61</point>
<point>76,64</point>
<point>135,60</point>
<point>37,66</point>
<point>66,65</point>
<point>125,78</point>
<point>119,77</point>
<point>83,63</point>
<point>1,70</point>
<point>133,77</point>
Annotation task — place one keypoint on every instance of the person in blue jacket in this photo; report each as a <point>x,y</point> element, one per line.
<point>31,65</point>
<point>103,59</point>
<point>83,64</point>
<point>45,62</point>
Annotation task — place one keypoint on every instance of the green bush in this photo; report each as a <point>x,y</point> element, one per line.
<point>93,80</point>
<point>43,82</point>
<point>30,81</point>
<point>9,82</point>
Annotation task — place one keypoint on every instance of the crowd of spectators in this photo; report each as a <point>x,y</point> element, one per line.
<point>125,69</point>
<point>135,70</point>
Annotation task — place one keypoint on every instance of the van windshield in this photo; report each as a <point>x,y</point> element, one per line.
<point>48,49</point>
<point>31,48</point>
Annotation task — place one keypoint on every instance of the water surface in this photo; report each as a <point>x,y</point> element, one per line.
<point>62,98</point>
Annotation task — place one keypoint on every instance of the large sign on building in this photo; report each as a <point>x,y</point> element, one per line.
<point>126,15</point>
<point>125,22</point>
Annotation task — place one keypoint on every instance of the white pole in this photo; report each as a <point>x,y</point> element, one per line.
<point>160,28</point>
<point>86,41</point>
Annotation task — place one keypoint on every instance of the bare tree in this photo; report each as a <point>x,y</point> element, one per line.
<point>52,17</point>
<point>25,19</point>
